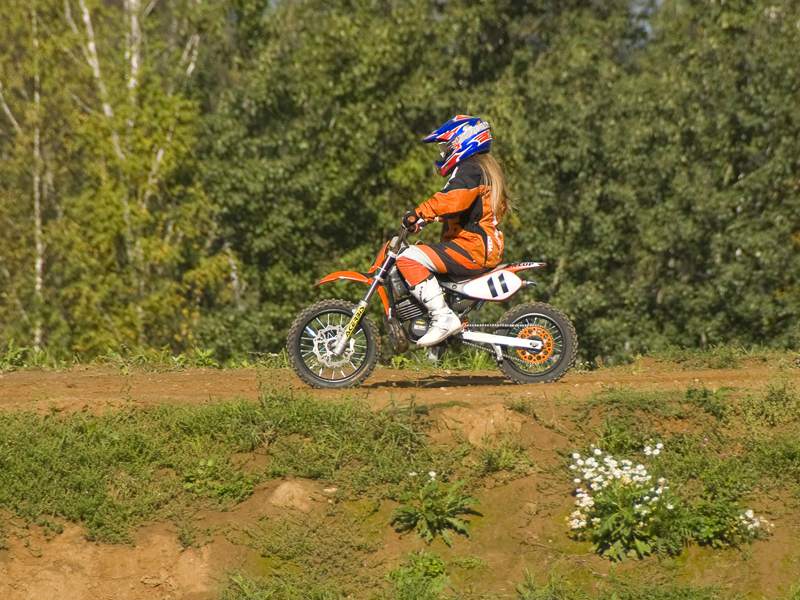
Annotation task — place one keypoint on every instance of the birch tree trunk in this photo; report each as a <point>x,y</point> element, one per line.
<point>38,262</point>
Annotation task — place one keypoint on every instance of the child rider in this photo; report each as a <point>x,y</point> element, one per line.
<point>471,205</point>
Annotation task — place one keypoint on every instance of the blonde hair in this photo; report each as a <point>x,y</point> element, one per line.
<point>495,180</point>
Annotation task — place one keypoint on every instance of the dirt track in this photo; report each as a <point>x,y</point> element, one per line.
<point>97,389</point>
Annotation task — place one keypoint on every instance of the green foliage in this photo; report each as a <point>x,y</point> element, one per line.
<point>715,357</point>
<point>421,577</point>
<point>697,497</point>
<point>243,587</point>
<point>348,443</point>
<point>218,479</point>
<point>434,509</point>
<point>622,510</point>
<point>557,588</point>
<point>13,357</point>
<point>779,404</point>
<point>650,150</point>
<point>112,472</point>
<point>714,402</point>
<point>315,553</point>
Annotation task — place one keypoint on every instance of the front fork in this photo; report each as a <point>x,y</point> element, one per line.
<point>358,313</point>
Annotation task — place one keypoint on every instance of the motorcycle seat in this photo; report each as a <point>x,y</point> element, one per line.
<point>451,279</point>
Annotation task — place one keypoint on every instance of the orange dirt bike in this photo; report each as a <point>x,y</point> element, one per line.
<point>332,344</point>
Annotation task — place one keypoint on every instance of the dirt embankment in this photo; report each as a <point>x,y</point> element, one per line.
<point>526,529</point>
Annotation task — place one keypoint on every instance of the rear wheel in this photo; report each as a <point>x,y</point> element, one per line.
<point>315,333</point>
<point>553,328</point>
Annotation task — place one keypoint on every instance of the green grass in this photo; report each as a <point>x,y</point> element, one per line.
<point>112,472</point>
<point>558,588</point>
<point>725,356</point>
<point>778,404</point>
<point>503,455</point>
<point>318,552</point>
<point>14,357</point>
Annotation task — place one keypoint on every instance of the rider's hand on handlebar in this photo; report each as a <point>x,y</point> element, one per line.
<point>412,221</point>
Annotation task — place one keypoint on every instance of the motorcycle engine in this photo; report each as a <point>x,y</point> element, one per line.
<point>418,327</point>
<point>413,317</point>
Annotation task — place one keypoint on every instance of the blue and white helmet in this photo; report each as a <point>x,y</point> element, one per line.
<point>464,136</point>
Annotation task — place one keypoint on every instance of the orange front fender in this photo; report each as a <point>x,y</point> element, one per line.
<point>360,278</point>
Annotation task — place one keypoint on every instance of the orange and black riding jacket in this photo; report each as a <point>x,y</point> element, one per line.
<point>465,207</point>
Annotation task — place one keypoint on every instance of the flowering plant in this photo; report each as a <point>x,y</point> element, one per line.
<point>624,512</point>
<point>434,509</point>
<point>621,510</point>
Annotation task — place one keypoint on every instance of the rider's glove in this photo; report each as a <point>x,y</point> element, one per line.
<point>412,221</point>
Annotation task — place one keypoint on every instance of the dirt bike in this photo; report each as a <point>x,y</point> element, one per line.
<point>332,344</point>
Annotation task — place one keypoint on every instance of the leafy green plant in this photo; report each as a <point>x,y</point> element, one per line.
<point>524,406</point>
<point>423,576</point>
<point>623,514</point>
<point>13,357</point>
<point>621,510</point>
<point>217,479</point>
<point>713,402</point>
<point>434,509</point>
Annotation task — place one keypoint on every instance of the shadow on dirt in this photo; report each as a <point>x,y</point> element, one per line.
<point>436,381</point>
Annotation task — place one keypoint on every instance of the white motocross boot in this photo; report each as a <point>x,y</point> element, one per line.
<point>444,321</point>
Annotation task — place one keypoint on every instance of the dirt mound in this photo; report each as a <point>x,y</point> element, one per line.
<point>479,425</point>
<point>68,567</point>
<point>296,494</point>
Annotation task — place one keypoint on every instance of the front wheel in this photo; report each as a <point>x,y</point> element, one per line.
<point>559,343</point>
<point>315,333</point>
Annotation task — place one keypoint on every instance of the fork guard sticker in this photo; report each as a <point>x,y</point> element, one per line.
<point>351,326</point>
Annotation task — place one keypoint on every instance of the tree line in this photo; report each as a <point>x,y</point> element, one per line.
<point>178,173</point>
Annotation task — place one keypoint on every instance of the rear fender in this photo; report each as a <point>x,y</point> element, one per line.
<point>360,278</point>
<point>524,266</point>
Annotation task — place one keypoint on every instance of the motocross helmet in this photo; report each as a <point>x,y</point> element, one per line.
<point>462,136</point>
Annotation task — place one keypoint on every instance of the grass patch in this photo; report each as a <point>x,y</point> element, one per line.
<point>558,588</point>
<point>726,357</point>
<point>112,472</point>
<point>243,587</point>
<point>779,404</point>
<point>662,404</point>
<point>422,576</point>
<point>324,553</point>
<point>713,402</point>
<point>503,455</point>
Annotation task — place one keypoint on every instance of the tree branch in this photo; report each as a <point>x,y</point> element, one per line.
<point>94,63</point>
<point>149,8</point>
<point>134,48</point>
<point>7,110</point>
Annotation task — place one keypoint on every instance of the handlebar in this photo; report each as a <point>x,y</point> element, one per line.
<point>403,235</point>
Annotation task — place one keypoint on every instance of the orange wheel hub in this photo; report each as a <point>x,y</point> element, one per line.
<point>547,344</point>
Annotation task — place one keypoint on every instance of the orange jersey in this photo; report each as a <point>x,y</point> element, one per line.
<point>465,207</point>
